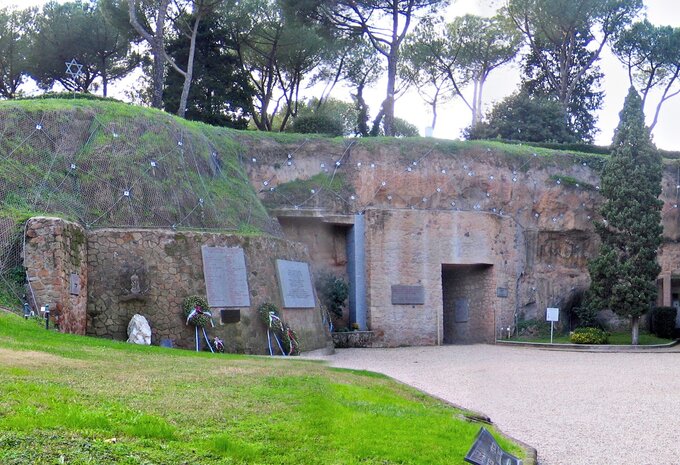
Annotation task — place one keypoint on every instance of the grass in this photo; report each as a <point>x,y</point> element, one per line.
<point>624,338</point>
<point>78,400</point>
<point>112,144</point>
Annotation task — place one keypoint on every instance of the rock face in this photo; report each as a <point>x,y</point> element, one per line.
<point>493,234</point>
<point>139,331</point>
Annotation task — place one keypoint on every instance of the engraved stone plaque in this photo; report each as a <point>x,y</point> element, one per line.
<point>501,292</point>
<point>74,282</point>
<point>462,310</point>
<point>486,451</point>
<point>295,284</point>
<point>226,281</point>
<point>408,295</point>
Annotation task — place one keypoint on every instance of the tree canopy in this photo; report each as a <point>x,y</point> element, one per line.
<point>566,39</point>
<point>652,57</point>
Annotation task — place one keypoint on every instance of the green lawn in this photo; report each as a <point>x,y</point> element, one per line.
<point>614,339</point>
<point>77,400</point>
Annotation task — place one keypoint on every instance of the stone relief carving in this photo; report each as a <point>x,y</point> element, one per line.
<point>135,291</point>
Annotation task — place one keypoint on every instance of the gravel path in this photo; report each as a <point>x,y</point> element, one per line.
<point>574,408</point>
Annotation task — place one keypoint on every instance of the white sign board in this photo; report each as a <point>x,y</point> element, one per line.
<point>552,314</point>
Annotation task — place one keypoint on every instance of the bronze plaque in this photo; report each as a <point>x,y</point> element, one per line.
<point>230,316</point>
<point>408,295</point>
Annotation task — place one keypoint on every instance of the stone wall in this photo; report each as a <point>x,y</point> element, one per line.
<point>407,247</point>
<point>169,268</point>
<point>55,254</point>
<point>166,267</point>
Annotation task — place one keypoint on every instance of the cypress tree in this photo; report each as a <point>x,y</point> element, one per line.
<point>624,273</point>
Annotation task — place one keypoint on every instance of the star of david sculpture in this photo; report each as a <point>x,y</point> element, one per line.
<point>75,70</point>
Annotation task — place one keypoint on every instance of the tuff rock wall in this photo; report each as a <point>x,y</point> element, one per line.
<point>528,214</point>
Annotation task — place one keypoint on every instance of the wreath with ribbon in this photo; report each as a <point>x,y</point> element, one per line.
<point>196,311</point>
<point>284,336</point>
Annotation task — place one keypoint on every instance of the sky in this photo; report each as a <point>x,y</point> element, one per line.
<point>455,116</point>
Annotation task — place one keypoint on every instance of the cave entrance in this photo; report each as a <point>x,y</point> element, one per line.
<point>467,292</point>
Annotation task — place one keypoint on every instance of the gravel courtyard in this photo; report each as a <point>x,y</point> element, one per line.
<point>575,408</point>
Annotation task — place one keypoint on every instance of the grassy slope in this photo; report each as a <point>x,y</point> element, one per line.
<point>98,401</point>
<point>147,134</point>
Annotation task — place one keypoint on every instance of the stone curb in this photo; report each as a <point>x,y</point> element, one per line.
<point>478,417</point>
<point>605,348</point>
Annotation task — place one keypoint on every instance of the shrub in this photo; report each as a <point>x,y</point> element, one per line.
<point>333,292</point>
<point>663,321</point>
<point>318,123</point>
<point>589,336</point>
<point>533,328</point>
<point>587,316</point>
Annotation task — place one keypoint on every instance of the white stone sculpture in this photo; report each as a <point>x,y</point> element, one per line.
<point>139,331</point>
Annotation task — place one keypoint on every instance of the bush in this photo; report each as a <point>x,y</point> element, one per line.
<point>333,292</point>
<point>587,317</point>
<point>589,336</point>
<point>533,328</point>
<point>318,123</point>
<point>663,321</point>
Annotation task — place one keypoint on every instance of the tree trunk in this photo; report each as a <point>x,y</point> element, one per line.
<point>362,112</point>
<point>388,104</point>
<point>635,330</point>
<point>375,129</point>
<point>155,41</point>
<point>158,51</point>
<point>181,111</point>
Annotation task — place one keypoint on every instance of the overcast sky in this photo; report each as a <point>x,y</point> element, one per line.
<point>455,116</point>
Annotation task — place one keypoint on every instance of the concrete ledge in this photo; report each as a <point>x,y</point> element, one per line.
<point>670,347</point>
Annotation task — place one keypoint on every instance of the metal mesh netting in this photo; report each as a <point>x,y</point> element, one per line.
<point>142,170</point>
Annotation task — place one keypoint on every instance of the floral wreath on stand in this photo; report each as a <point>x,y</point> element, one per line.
<point>284,336</point>
<point>196,313</point>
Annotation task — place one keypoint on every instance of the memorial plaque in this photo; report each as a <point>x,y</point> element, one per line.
<point>295,284</point>
<point>486,451</point>
<point>230,316</point>
<point>226,280</point>
<point>408,295</point>
<point>501,292</point>
<point>74,282</point>
<point>462,310</point>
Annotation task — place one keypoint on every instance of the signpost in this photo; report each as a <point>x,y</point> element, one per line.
<point>552,315</point>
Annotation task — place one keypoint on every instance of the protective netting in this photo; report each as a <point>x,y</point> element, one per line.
<point>115,170</point>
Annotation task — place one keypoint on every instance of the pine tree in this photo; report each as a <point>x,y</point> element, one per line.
<point>624,273</point>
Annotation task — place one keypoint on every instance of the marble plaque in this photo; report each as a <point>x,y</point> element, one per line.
<point>74,282</point>
<point>408,295</point>
<point>226,280</point>
<point>486,451</point>
<point>502,292</point>
<point>295,284</point>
